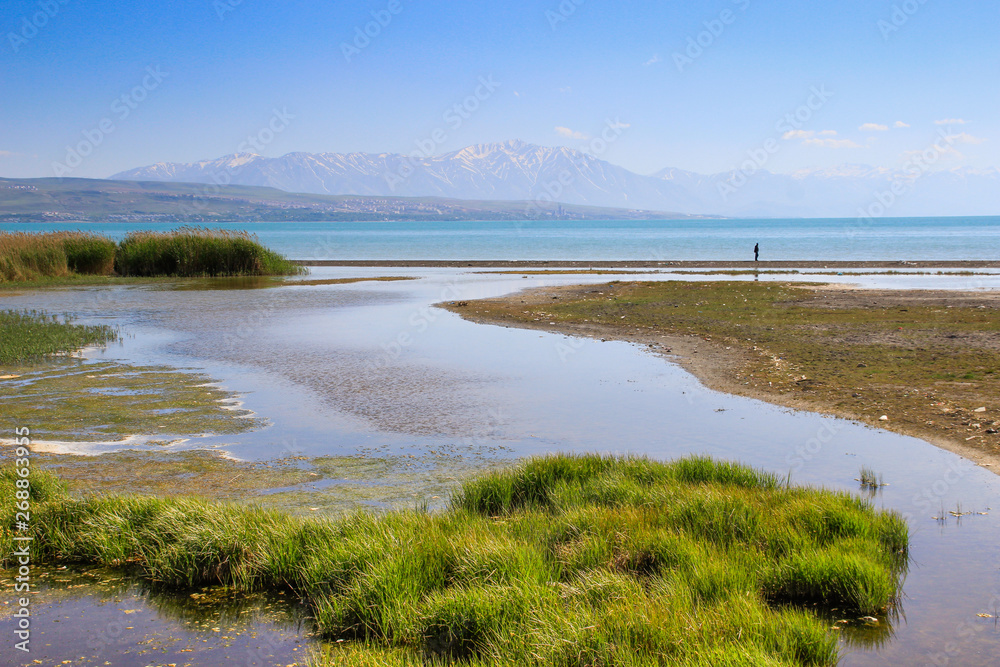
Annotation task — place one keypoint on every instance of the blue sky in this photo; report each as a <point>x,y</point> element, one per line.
<point>135,83</point>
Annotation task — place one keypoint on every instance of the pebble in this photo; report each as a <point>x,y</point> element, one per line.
<point>883,418</point>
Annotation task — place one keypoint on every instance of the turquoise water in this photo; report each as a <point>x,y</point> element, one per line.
<point>779,239</point>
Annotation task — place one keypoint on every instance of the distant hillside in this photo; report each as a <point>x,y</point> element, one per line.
<point>514,170</point>
<point>71,199</point>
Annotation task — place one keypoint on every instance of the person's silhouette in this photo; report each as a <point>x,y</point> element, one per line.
<point>756,251</point>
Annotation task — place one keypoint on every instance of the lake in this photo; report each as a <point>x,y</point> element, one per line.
<point>779,239</point>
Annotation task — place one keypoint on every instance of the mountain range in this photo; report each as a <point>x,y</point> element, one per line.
<point>105,200</point>
<point>548,176</point>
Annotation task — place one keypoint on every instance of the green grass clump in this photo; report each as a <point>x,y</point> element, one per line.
<point>870,479</point>
<point>831,577</point>
<point>29,335</point>
<point>565,560</point>
<point>192,251</point>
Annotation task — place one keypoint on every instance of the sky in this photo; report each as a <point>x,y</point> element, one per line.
<point>88,89</point>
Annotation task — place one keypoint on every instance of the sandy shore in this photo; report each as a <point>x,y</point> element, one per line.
<point>723,368</point>
<point>650,264</point>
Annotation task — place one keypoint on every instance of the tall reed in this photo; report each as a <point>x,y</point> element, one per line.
<point>188,251</point>
<point>193,251</point>
<point>26,256</point>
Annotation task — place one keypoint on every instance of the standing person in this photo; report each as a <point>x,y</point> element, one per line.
<point>756,251</point>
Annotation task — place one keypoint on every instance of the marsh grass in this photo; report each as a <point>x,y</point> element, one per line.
<point>566,560</point>
<point>89,254</point>
<point>188,251</point>
<point>194,251</point>
<point>28,335</point>
<point>25,256</point>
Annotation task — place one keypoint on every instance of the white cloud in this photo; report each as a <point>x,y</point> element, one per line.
<point>828,133</point>
<point>951,121</point>
<point>831,143</point>
<point>570,134</point>
<point>6,153</point>
<point>618,125</point>
<point>797,134</point>
<point>873,127</point>
<point>899,123</point>
<point>567,89</point>
<point>966,138</point>
<point>652,61</point>
<point>517,94</point>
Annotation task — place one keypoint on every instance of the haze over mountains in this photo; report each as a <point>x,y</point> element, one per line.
<point>514,170</point>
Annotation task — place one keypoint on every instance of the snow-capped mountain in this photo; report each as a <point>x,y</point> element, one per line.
<point>514,170</point>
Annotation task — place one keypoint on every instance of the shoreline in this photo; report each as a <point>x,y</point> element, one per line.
<point>652,264</point>
<point>715,364</point>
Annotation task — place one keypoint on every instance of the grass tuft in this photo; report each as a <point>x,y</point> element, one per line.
<point>854,580</point>
<point>870,479</point>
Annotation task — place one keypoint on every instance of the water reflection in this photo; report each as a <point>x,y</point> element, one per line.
<point>373,369</point>
<point>101,616</point>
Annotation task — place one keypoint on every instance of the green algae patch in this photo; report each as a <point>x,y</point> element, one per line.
<point>328,485</point>
<point>81,401</point>
<point>343,484</point>
<point>202,473</point>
